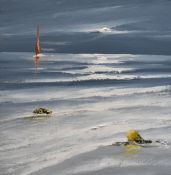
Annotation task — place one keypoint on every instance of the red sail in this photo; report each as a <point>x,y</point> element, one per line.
<point>37,46</point>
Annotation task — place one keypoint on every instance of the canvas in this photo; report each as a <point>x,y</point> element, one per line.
<point>75,77</point>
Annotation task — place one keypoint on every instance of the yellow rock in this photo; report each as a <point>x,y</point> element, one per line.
<point>133,135</point>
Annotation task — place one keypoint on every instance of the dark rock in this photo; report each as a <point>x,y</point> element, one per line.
<point>42,111</point>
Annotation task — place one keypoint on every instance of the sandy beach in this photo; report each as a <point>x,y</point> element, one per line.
<point>95,99</point>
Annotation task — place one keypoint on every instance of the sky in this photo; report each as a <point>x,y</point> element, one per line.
<point>91,26</point>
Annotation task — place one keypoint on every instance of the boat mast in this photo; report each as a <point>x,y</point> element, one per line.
<point>37,46</point>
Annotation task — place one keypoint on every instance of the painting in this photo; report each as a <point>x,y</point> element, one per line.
<point>85,87</point>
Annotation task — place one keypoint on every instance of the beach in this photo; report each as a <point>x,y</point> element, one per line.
<point>95,99</point>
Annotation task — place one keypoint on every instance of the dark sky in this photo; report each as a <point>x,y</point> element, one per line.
<point>78,26</point>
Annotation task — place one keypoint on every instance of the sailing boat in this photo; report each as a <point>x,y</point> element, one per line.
<point>37,46</point>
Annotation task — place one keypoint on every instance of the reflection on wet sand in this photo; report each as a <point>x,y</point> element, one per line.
<point>131,149</point>
<point>36,64</point>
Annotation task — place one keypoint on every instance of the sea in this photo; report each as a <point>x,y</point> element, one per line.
<point>104,68</point>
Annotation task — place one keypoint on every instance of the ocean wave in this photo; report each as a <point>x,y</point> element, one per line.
<point>88,81</point>
<point>98,78</point>
<point>34,95</point>
<point>102,68</point>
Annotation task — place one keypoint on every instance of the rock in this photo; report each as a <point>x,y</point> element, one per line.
<point>42,111</point>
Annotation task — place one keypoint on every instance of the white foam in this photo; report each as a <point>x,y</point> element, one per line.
<point>104,163</point>
<point>34,95</point>
<point>105,30</point>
